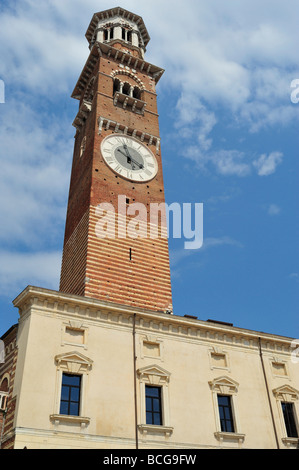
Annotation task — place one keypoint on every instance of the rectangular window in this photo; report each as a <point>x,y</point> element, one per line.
<point>225,413</point>
<point>70,395</point>
<point>153,405</point>
<point>289,419</point>
<point>3,401</point>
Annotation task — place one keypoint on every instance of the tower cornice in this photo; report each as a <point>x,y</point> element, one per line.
<point>111,13</point>
<point>123,57</point>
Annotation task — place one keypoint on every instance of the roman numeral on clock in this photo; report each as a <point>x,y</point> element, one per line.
<point>118,168</point>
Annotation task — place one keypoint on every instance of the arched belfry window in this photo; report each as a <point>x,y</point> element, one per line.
<point>128,95</point>
<point>137,93</point>
<point>126,89</point>
<point>108,33</point>
<point>126,35</point>
<point>116,86</point>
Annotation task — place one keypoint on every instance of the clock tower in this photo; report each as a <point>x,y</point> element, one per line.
<point>115,245</point>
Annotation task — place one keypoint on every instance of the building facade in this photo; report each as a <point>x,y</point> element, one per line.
<point>103,362</point>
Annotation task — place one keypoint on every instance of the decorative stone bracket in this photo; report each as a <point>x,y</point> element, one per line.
<point>106,124</point>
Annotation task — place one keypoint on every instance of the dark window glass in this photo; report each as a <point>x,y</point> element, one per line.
<point>136,93</point>
<point>123,34</point>
<point>70,395</point>
<point>111,33</point>
<point>289,419</point>
<point>225,413</point>
<point>116,85</point>
<point>153,405</point>
<point>126,89</point>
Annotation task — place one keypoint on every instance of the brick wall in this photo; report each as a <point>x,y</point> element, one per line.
<point>7,370</point>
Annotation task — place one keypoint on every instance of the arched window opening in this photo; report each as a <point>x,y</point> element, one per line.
<point>126,89</point>
<point>108,34</point>
<point>137,93</point>
<point>126,35</point>
<point>3,394</point>
<point>4,385</point>
<point>116,86</point>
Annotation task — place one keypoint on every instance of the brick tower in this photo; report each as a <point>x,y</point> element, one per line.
<point>117,165</point>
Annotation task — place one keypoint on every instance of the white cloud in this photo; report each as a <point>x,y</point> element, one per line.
<point>240,55</point>
<point>273,209</point>
<point>225,162</point>
<point>39,54</point>
<point>210,242</point>
<point>17,270</point>
<point>294,276</point>
<point>230,162</point>
<point>35,168</point>
<point>267,164</point>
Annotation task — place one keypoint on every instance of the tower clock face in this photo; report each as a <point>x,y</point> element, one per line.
<point>129,158</point>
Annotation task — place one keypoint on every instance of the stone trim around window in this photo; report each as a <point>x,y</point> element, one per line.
<point>226,386</point>
<point>157,376</point>
<point>63,419</point>
<point>77,364</point>
<point>287,394</point>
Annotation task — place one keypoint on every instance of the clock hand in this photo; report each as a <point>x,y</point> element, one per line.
<point>127,151</point>
<point>136,163</point>
<point>132,159</point>
<point>129,158</point>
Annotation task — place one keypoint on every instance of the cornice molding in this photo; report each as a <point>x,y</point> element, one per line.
<point>106,124</point>
<point>49,302</point>
<point>112,13</point>
<point>122,57</point>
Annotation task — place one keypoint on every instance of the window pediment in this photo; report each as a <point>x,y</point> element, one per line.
<point>154,375</point>
<point>224,385</point>
<point>286,393</point>
<point>74,362</point>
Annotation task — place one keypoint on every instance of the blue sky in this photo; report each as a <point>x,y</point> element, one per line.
<point>229,135</point>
